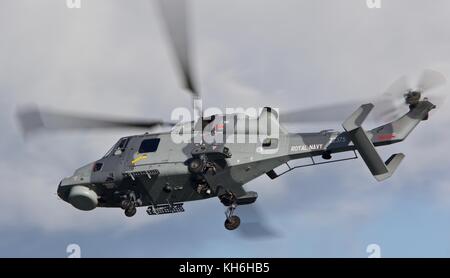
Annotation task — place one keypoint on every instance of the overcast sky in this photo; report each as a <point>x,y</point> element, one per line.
<point>111,57</point>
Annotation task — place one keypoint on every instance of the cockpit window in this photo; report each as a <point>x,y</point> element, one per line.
<point>109,151</point>
<point>121,146</point>
<point>149,145</point>
<point>118,148</point>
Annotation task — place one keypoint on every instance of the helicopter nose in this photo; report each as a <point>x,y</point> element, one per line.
<point>77,189</point>
<point>80,177</point>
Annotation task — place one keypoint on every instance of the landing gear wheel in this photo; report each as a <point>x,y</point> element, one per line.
<point>232,222</point>
<point>326,155</point>
<point>131,211</point>
<point>196,166</point>
<point>125,204</point>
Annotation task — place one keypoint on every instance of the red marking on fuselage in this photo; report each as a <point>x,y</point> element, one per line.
<point>385,137</point>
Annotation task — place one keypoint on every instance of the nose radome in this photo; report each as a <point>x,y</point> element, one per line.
<point>77,191</point>
<point>83,198</point>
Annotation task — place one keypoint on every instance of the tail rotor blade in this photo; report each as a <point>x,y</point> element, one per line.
<point>398,88</point>
<point>437,99</point>
<point>430,80</point>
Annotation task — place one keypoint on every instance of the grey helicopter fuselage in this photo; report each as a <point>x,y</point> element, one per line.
<point>155,169</point>
<point>152,169</point>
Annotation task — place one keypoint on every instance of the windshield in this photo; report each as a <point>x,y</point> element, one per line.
<point>110,151</point>
<point>118,148</point>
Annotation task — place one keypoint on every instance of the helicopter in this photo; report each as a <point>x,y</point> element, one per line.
<point>215,156</point>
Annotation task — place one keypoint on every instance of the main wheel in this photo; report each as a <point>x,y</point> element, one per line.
<point>196,166</point>
<point>232,223</point>
<point>326,155</point>
<point>125,204</point>
<point>131,211</point>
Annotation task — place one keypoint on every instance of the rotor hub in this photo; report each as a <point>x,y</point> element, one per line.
<point>413,97</point>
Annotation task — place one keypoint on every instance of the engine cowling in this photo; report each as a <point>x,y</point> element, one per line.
<point>83,198</point>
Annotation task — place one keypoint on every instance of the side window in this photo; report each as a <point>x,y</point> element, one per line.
<point>149,145</point>
<point>121,146</point>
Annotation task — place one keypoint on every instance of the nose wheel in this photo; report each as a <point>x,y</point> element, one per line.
<point>130,211</point>
<point>229,200</point>
<point>129,207</point>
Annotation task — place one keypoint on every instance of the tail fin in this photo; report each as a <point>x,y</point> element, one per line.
<point>393,132</point>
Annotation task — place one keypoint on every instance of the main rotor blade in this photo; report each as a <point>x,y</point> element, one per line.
<point>32,120</point>
<point>326,113</point>
<point>176,19</point>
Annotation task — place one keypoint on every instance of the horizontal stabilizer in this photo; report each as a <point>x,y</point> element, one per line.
<point>391,164</point>
<point>365,147</point>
